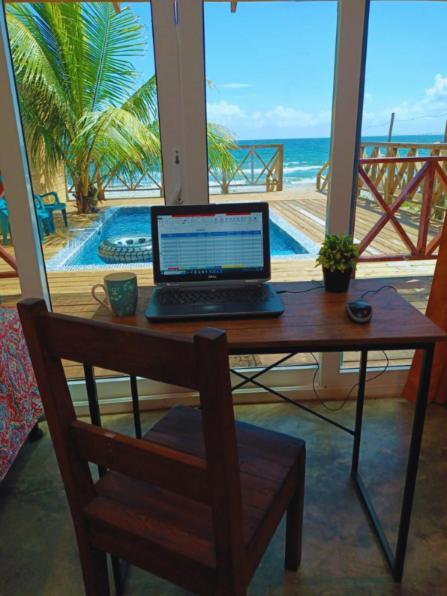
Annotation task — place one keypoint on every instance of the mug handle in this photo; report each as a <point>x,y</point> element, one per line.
<point>102,302</point>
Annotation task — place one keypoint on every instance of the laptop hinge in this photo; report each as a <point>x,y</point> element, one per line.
<point>213,282</point>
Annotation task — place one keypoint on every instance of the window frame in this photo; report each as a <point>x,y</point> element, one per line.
<point>178,34</point>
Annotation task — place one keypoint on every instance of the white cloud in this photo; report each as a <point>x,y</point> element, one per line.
<point>235,85</point>
<point>292,120</point>
<point>288,117</point>
<point>222,112</point>
<point>439,87</point>
<point>279,118</point>
<point>428,112</point>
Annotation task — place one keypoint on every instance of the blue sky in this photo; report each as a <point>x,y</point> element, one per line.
<point>272,66</point>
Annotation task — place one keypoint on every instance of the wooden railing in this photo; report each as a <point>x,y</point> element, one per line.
<point>147,181</point>
<point>384,175</point>
<point>255,166</point>
<point>9,260</point>
<point>424,217</point>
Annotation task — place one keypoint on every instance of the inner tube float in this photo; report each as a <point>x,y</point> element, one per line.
<point>128,249</point>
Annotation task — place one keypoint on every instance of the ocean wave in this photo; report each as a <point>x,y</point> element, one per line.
<point>298,181</point>
<point>290,170</point>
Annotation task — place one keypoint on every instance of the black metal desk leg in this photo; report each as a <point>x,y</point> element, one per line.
<point>359,413</point>
<point>412,465</point>
<point>135,406</point>
<point>92,395</point>
<point>119,567</point>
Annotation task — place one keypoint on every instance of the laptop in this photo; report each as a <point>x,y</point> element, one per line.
<point>210,262</point>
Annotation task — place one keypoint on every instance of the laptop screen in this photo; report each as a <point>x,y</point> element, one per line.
<point>210,242</point>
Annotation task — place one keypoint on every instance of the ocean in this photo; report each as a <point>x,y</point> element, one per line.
<point>304,157</point>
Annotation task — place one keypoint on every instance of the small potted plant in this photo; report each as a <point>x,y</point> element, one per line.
<point>338,256</point>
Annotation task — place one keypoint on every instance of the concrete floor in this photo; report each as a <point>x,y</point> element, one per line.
<point>38,552</point>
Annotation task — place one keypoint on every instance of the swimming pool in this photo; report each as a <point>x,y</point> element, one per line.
<point>81,253</point>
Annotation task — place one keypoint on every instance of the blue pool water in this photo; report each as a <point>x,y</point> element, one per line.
<point>135,221</point>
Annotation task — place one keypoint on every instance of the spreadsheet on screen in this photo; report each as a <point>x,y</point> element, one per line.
<point>210,242</point>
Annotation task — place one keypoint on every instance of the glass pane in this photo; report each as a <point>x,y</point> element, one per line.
<point>88,97</point>
<point>404,119</point>
<point>9,282</point>
<point>269,68</point>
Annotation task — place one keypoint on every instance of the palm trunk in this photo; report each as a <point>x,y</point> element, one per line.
<point>86,194</point>
<point>100,187</point>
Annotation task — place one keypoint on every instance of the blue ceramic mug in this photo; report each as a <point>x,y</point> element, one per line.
<point>121,292</point>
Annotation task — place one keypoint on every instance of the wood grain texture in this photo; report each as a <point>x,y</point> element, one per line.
<point>169,468</point>
<point>199,498</point>
<point>304,209</point>
<point>315,320</point>
<point>121,348</point>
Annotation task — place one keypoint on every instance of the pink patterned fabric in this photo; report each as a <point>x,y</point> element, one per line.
<point>20,404</point>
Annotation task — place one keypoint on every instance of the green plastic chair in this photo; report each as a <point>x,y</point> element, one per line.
<point>54,205</point>
<point>44,217</point>
<point>4,220</point>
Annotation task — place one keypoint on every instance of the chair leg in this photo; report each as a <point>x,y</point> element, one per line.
<point>50,223</point>
<point>229,590</point>
<point>4,227</point>
<point>64,215</point>
<point>294,523</point>
<point>35,434</point>
<point>94,571</point>
<point>41,228</point>
<point>120,569</point>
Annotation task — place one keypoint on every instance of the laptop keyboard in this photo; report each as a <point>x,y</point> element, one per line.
<point>251,294</point>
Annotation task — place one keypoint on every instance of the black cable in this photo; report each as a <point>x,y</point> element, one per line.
<point>300,291</point>
<point>348,395</point>
<point>377,291</point>
<point>322,286</point>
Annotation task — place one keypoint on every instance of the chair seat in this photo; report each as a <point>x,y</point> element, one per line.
<point>181,527</point>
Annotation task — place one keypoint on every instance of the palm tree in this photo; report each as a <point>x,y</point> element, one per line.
<point>74,72</point>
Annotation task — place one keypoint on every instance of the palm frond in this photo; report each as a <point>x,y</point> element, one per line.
<point>76,86</point>
<point>220,144</point>
<point>143,102</point>
<point>115,138</point>
<point>112,38</point>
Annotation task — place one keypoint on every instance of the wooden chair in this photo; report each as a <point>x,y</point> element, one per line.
<point>199,498</point>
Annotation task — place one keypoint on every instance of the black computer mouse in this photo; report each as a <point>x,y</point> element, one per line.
<point>359,311</point>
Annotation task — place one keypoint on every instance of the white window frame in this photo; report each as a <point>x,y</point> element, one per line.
<point>16,180</point>
<point>179,62</point>
<point>180,70</point>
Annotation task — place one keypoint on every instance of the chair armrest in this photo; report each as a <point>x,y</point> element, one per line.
<point>54,195</point>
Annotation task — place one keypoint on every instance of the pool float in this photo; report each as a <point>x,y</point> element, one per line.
<point>128,249</point>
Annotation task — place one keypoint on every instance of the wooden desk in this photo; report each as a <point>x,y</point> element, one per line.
<point>316,321</point>
<point>312,321</point>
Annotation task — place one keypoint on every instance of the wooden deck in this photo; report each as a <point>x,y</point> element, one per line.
<point>304,209</point>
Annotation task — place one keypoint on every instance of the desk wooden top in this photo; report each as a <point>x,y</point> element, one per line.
<point>311,321</point>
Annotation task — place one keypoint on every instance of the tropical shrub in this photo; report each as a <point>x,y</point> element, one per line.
<point>80,103</point>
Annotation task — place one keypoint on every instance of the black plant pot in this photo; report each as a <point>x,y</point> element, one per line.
<point>337,281</point>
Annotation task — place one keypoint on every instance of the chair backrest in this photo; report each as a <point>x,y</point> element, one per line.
<point>199,363</point>
<point>40,205</point>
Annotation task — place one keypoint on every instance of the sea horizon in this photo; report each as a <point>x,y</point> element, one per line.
<point>304,157</point>
<point>302,160</point>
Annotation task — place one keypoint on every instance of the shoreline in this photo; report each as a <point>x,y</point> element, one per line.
<point>297,189</point>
